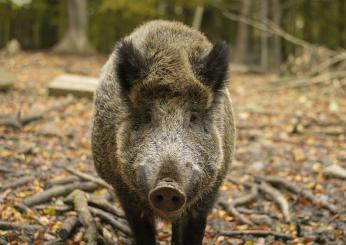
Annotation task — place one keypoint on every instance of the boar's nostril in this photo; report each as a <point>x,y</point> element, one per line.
<point>167,199</point>
<point>159,198</point>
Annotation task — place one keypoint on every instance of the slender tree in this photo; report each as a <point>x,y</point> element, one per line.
<point>241,45</point>
<point>75,39</point>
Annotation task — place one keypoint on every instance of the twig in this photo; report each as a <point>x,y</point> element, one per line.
<point>258,233</point>
<point>247,198</point>
<point>110,220</point>
<point>277,197</point>
<point>67,227</point>
<point>81,205</point>
<point>13,226</point>
<point>232,210</point>
<point>89,177</point>
<point>19,182</point>
<point>335,171</point>
<point>323,78</point>
<point>104,205</point>
<point>63,181</point>
<point>3,242</point>
<point>278,181</point>
<point>6,170</point>
<point>60,190</point>
<point>19,121</point>
<point>270,27</point>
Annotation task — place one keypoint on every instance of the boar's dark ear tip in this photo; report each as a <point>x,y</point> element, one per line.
<point>130,64</point>
<point>216,65</point>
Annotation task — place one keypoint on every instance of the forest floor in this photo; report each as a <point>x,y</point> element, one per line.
<point>287,139</point>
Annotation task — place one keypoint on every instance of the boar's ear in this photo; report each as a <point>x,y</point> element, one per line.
<point>213,69</point>
<point>131,65</point>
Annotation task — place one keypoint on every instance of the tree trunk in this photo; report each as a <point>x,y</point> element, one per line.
<point>75,39</point>
<point>277,55</point>
<point>242,35</point>
<point>264,36</point>
<point>198,17</point>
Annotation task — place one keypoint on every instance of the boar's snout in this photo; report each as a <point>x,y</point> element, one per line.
<point>166,197</point>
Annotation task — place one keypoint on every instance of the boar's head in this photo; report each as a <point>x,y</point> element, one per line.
<point>170,144</point>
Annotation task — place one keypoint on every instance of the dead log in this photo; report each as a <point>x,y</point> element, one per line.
<point>67,227</point>
<point>106,217</point>
<point>257,233</point>
<point>61,190</point>
<point>80,203</point>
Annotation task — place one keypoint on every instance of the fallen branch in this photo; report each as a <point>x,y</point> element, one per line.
<point>247,198</point>
<point>61,190</point>
<point>81,205</point>
<point>269,27</point>
<point>5,226</point>
<point>104,205</point>
<point>257,233</point>
<point>229,208</point>
<point>106,217</point>
<point>67,227</point>
<point>335,171</point>
<point>19,182</point>
<point>89,177</point>
<point>63,181</point>
<point>303,82</point>
<point>19,121</point>
<point>278,181</point>
<point>277,197</point>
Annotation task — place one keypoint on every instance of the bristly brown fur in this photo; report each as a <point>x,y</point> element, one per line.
<point>162,110</point>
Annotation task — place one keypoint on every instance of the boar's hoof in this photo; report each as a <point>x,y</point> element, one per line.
<point>167,199</point>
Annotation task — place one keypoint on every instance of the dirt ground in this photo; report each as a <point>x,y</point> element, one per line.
<point>288,134</point>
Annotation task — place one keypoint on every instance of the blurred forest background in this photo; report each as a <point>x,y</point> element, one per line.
<point>288,87</point>
<point>40,24</point>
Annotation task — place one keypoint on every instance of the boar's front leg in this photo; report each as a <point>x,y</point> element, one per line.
<point>142,227</point>
<point>189,231</point>
<point>142,223</point>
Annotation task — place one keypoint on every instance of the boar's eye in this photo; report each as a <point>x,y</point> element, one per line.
<point>147,116</point>
<point>193,117</point>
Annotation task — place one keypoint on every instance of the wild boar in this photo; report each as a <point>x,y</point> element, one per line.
<point>163,130</point>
